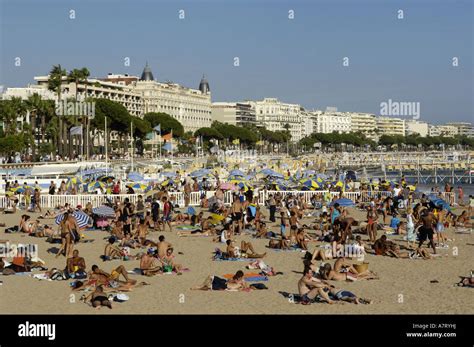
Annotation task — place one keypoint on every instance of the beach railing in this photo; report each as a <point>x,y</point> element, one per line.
<point>52,201</point>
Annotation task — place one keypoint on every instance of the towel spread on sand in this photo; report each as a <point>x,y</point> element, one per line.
<point>249,277</point>
<point>462,230</point>
<point>188,227</point>
<point>233,259</point>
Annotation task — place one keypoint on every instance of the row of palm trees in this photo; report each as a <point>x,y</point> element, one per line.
<point>46,130</point>
<point>56,77</point>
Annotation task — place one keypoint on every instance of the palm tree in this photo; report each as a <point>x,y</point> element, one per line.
<point>54,83</point>
<point>83,76</point>
<point>19,110</point>
<point>35,106</point>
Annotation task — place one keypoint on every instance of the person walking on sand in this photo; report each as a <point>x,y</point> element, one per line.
<point>426,229</point>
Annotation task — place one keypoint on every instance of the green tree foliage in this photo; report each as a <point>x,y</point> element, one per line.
<point>167,123</point>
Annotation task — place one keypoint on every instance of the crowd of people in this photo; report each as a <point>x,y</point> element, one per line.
<point>328,233</point>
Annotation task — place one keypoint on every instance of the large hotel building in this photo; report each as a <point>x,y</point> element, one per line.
<point>191,107</point>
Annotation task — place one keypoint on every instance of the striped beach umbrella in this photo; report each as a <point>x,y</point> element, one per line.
<point>95,185</point>
<point>74,181</point>
<point>137,186</point>
<point>82,219</point>
<point>21,189</point>
<point>104,211</point>
<point>309,184</point>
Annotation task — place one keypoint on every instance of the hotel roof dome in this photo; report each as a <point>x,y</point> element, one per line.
<point>147,75</point>
<point>204,85</point>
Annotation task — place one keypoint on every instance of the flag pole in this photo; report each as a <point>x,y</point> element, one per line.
<point>106,148</point>
<point>131,143</point>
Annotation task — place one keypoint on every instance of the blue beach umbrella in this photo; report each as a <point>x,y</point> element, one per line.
<point>135,176</point>
<point>237,173</point>
<point>343,202</point>
<point>82,219</point>
<point>104,211</point>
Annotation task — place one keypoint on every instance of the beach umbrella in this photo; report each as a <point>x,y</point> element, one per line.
<point>104,211</point>
<point>21,189</point>
<point>310,183</point>
<point>105,178</point>
<point>200,173</point>
<point>438,202</point>
<point>135,176</point>
<point>82,219</point>
<point>309,173</point>
<point>169,182</point>
<point>276,175</point>
<point>343,202</point>
<point>74,181</point>
<point>137,186</point>
<point>266,172</point>
<point>95,185</point>
<point>168,174</point>
<point>243,185</point>
<point>237,173</point>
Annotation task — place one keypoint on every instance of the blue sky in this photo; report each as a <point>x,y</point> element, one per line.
<point>298,60</point>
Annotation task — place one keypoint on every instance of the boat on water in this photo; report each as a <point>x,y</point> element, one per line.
<point>43,174</point>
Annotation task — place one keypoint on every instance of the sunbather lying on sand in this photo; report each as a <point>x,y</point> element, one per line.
<point>246,250</point>
<point>104,278</point>
<point>284,243</point>
<point>327,273</point>
<point>98,298</point>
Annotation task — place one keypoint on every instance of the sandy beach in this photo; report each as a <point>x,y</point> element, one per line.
<point>404,286</point>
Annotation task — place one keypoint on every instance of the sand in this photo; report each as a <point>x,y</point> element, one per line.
<point>403,288</point>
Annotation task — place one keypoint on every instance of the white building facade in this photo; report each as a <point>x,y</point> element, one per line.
<point>415,127</point>
<point>191,107</point>
<point>275,115</point>
<point>235,113</point>
<point>390,126</point>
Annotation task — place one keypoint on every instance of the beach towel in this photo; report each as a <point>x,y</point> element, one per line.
<point>137,271</point>
<point>249,277</point>
<point>463,230</point>
<point>187,227</point>
<point>292,249</point>
<point>233,259</point>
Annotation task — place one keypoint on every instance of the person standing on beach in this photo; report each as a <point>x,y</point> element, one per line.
<point>440,218</point>
<point>426,230</point>
<point>187,193</point>
<point>167,213</point>
<point>52,188</point>
<point>460,196</point>
<point>236,210</point>
<point>36,200</point>
<point>272,207</point>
